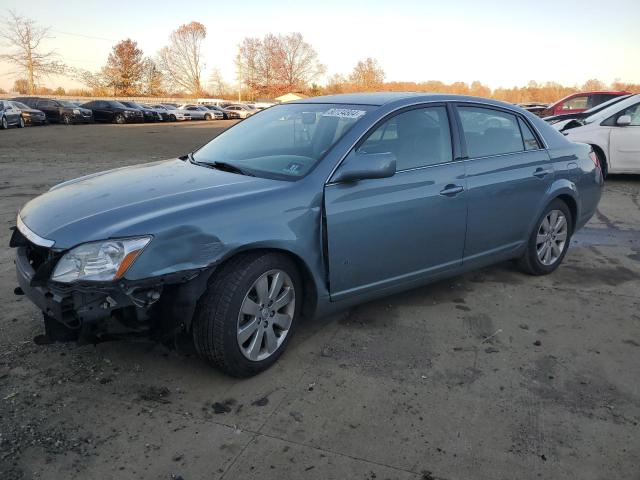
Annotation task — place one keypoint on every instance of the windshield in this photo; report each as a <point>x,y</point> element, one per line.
<point>21,106</point>
<point>284,142</point>
<point>114,104</point>
<point>170,107</point>
<point>611,109</point>
<point>67,103</point>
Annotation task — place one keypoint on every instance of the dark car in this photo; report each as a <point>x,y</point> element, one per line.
<point>10,115</point>
<point>149,114</point>
<point>31,116</point>
<point>303,209</point>
<point>114,112</point>
<point>58,111</point>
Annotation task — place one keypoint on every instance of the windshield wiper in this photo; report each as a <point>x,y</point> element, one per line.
<point>224,166</point>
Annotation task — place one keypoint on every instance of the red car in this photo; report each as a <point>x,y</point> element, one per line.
<point>579,102</point>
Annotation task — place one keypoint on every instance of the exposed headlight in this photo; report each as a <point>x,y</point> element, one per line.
<point>99,261</point>
<point>76,111</point>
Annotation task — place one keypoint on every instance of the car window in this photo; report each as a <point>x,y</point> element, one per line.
<point>490,132</point>
<point>418,138</point>
<point>284,142</point>
<point>634,113</point>
<point>576,103</point>
<point>530,140</point>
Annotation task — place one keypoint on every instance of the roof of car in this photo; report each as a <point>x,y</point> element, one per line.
<point>382,98</point>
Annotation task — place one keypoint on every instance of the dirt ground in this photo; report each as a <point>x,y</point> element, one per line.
<point>404,387</point>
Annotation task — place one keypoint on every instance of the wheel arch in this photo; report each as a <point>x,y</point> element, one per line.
<point>309,284</point>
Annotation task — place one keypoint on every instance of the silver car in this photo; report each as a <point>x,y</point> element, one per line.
<point>199,112</point>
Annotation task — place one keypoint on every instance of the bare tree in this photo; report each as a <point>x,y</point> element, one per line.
<point>23,38</point>
<point>299,62</point>
<point>125,68</point>
<point>181,60</point>
<point>152,79</point>
<point>367,75</point>
<point>216,84</point>
<point>277,64</point>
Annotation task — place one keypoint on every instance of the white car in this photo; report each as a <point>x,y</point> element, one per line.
<point>242,110</point>
<point>175,114</point>
<point>614,134</point>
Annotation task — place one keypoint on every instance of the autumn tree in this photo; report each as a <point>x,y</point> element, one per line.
<point>367,75</point>
<point>593,85</point>
<point>23,38</point>
<point>125,68</point>
<point>21,86</point>
<point>276,64</point>
<point>181,61</point>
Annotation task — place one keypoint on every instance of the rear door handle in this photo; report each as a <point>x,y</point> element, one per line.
<point>541,172</point>
<point>451,190</point>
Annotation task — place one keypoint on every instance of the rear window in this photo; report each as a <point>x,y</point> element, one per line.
<point>490,132</point>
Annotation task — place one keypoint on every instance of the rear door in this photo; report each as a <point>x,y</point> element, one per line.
<point>624,143</point>
<point>392,231</point>
<point>508,172</point>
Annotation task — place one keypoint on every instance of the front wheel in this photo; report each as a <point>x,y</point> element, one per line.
<point>120,119</point>
<point>21,123</point>
<point>549,241</point>
<point>172,118</point>
<point>66,119</point>
<point>207,117</point>
<point>245,319</point>
<point>4,124</point>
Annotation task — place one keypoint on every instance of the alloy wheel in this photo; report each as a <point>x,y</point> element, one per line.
<point>552,237</point>
<point>5,125</point>
<point>21,122</point>
<point>266,315</point>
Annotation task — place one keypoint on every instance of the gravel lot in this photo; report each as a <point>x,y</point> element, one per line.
<point>405,387</point>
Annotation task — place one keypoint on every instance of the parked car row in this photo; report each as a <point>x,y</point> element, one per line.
<point>22,111</point>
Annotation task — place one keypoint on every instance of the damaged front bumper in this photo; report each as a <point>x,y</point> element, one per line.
<point>81,303</point>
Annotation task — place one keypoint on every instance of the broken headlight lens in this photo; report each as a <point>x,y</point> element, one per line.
<point>99,261</point>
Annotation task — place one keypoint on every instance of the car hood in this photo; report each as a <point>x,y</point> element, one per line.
<point>132,200</point>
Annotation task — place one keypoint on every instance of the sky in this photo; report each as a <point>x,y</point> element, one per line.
<point>500,43</point>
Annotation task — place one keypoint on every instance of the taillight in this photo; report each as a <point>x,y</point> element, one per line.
<point>595,158</point>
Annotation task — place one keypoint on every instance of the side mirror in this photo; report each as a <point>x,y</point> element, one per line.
<point>362,166</point>
<point>623,120</point>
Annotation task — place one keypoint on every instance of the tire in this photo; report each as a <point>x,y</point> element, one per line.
<point>603,161</point>
<point>66,119</point>
<point>172,118</point>
<point>207,117</point>
<point>21,123</point>
<point>4,124</point>
<point>218,322</point>
<point>541,257</point>
<point>119,119</point>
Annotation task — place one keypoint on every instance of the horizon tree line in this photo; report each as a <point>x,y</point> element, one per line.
<point>265,68</point>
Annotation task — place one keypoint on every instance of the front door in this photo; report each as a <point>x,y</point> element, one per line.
<point>508,173</point>
<point>392,231</point>
<point>624,143</point>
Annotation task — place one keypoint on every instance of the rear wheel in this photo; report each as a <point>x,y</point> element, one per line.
<point>549,241</point>
<point>245,319</point>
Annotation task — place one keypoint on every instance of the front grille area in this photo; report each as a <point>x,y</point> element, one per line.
<point>41,259</point>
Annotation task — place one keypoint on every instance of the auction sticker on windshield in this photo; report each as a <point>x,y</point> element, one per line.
<point>343,113</point>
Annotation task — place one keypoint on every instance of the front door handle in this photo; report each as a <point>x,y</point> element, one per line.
<point>541,172</point>
<point>451,190</point>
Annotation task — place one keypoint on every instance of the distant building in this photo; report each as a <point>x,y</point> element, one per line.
<point>290,97</point>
